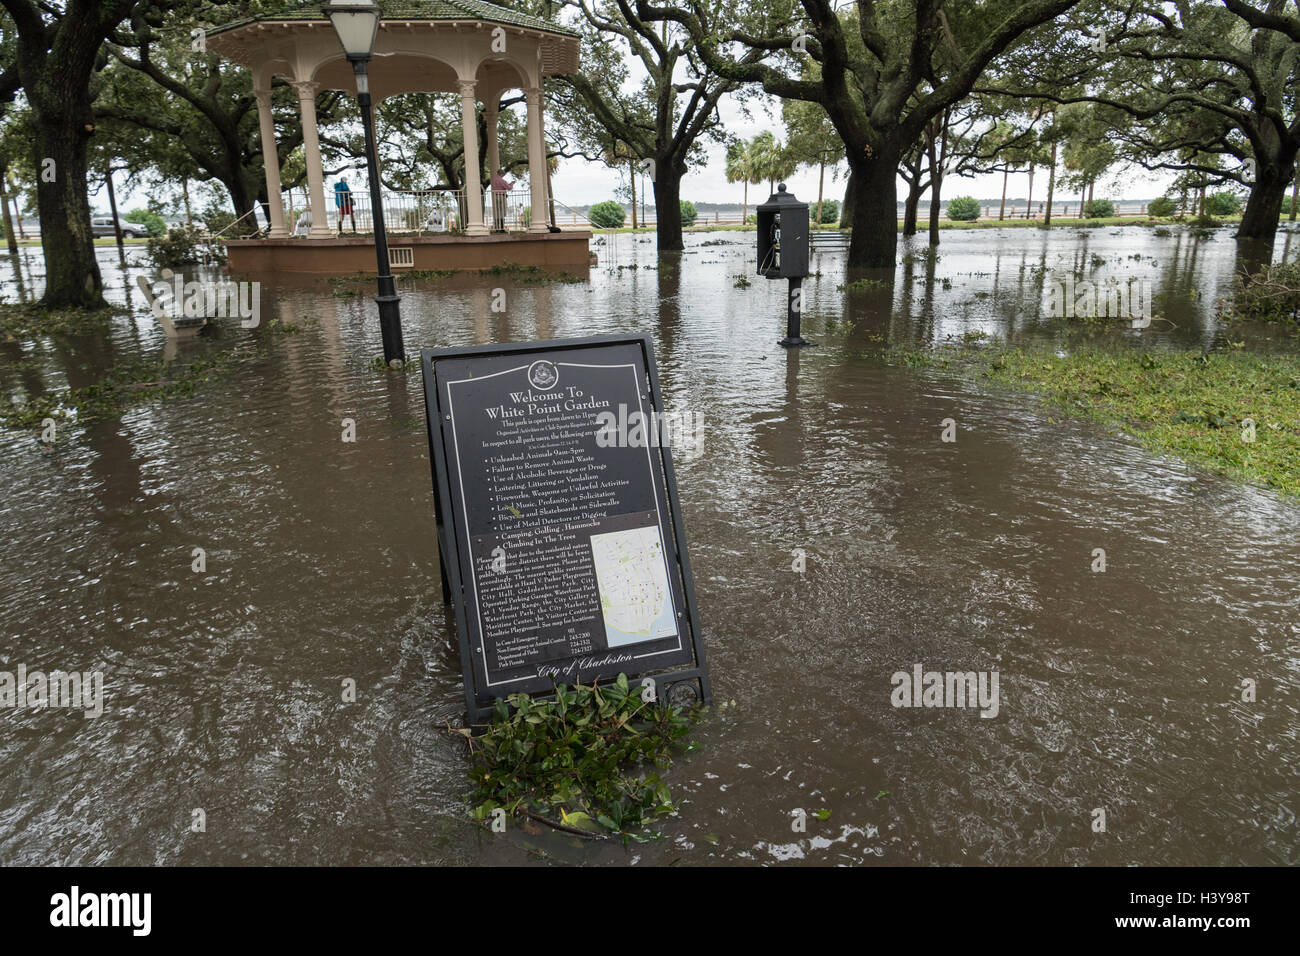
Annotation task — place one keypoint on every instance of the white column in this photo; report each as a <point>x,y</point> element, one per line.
<point>271,163</point>
<point>536,160</point>
<point>320,228</point>
<point>473,175</point>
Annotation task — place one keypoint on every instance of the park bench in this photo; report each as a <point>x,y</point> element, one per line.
<point>821,240</point>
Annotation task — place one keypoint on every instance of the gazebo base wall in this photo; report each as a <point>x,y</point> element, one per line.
<point>350,255</point>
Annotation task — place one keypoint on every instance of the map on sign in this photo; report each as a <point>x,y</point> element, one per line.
<point>633,580</point>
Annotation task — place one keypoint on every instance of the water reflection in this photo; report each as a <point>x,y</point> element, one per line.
<point>1120,690</point>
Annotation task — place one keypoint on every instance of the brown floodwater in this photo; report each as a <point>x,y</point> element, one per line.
<point>1119,691</point>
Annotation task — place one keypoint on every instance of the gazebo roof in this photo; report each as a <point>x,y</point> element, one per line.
<point>410,10</point>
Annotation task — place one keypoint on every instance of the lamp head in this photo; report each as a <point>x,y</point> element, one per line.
<point>356,22</point>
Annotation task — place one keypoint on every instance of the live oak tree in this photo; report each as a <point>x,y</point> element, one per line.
<point>672,112</point>
<point>1203,87</point>
<point>888,69</point>
<point>55,52</point>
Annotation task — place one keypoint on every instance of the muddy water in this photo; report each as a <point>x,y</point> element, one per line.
<point>1119,691</point>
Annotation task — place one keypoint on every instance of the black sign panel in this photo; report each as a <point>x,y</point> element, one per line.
<point>558,522</point>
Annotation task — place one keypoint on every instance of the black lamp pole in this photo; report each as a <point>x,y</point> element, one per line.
<point>390,318</point>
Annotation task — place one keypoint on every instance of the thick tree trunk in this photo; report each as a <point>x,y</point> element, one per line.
<point>72,278</point>
<point>909,209</point>
<point>874,211</point>
<point>936,187</point>
<point>1264,207</point>
<point>850,194</point>
<point>668,209</point>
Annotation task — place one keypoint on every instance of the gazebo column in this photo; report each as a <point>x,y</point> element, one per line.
<point>536,161</point>
<point>271,163</point>
<point>320,228</point>
<point>473,174</point>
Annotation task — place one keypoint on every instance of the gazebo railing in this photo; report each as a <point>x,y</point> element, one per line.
<point>426,212</point>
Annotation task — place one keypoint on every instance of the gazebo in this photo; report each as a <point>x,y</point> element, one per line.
<point>470,47</point>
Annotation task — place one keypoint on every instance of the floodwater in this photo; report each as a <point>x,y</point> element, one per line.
<point>1119,691</point>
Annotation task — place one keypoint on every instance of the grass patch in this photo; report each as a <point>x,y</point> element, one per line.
<point>583,761</point>
<point>1233,412</point>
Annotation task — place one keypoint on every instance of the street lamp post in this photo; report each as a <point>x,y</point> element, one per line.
<point>357,22</point>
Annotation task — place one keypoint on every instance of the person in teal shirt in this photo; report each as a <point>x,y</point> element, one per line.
<point>343,204</point>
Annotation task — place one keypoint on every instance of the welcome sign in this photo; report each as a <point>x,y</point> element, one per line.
<point>559,527</point>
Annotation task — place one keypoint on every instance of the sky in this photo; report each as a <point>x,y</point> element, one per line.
<point>579,183</point>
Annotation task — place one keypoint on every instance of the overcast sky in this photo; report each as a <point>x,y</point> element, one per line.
<point>579,183</point>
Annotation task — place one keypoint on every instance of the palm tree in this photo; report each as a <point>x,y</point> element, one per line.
<point>774,160</point>
<point>742,168</point>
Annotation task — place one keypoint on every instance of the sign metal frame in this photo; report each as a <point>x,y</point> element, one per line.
<point>454,552</point>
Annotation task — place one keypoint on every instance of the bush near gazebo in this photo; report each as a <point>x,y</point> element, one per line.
<point>606,215</point>
<point>1098,209</point>
<point>963,208</point>
<point>1162,208</point>
<point>689,212</point>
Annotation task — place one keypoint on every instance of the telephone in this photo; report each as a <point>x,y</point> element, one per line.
<point>776,242</point>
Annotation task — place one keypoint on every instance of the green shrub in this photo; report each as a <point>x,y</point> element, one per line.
<point>830,211</point>
<point>181,246</point>
<point>152,222</point>
<point>607,215</point>
<point>1098,209</point>
<point>1271,294</point>
<point>1286,205</point>
<point>1162,208</point>
<point>584,759</point>
<point>689,214</point>
<point>963,208</point>
<point>1223,204</point>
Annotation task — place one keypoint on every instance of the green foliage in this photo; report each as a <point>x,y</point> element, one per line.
<point>830,211</point>
<point>1162,208</point>
<point>1271,294</point>
<point>1181,403</point>
<point>23,322</point>
<point>584,759</point>
<point>1223,204</point>
<point>1286,205</point>
<point>1098,209</point>
<point>963,208</point>
<point>607,215</point>
<point>689,215</point>
<point>150,220</point>
<point>181,246</point>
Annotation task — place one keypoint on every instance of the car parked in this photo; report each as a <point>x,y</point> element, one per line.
<point>103,226</point>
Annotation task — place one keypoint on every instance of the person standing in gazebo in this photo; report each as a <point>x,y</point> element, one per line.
<point>343,203</point>
<point>500,187</point>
